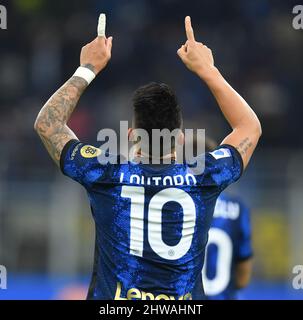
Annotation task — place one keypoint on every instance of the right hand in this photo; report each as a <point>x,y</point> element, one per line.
<point>197,57</point>
<point>96,54</point>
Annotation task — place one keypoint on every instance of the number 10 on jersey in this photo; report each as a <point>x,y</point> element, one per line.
<point>154,221</point>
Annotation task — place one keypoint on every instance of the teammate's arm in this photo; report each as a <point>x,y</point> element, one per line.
<point>245,124</point>
<point>51,123</point>
<point>243,271</point>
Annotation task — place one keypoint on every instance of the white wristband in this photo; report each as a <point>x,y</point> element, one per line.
<point>85,74</point>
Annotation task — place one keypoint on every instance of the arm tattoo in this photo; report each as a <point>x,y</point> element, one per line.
<point>53,117</point>
<point>244,146</point>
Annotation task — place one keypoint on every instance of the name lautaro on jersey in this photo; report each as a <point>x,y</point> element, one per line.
<point>177,180</point>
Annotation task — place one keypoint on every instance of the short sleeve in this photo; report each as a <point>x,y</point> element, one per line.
<point>79,161</point>
<point>244,249</point>
<point>224,166</point>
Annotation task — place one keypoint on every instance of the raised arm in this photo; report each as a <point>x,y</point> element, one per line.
<point>51,122</point>
<point>246,128</point>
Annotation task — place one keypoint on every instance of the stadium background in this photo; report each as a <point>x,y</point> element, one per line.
<point>46,233</point>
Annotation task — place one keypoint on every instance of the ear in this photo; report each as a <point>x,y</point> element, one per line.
<point>181,139</point>
<point>130,134</point>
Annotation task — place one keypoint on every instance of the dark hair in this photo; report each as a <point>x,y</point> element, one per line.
<point>156,107</point>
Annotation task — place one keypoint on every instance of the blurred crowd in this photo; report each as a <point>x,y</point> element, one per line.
<point>253,42</point>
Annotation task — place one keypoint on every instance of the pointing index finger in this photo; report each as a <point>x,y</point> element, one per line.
<point>102,25</point>
<point>189,29</point>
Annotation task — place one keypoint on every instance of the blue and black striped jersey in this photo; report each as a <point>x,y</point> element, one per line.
<point>152,221</point>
